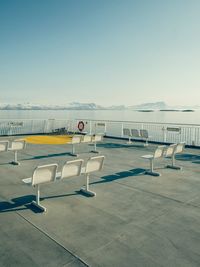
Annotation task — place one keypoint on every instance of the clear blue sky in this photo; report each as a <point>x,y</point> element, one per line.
<point>103,51</point>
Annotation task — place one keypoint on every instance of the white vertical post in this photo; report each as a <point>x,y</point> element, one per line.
<point>122,127</point>
<point>37,202</point>
<point>86,190</point>
<point>105,129</point>
<point>87,182</point>
<point>73,149</point>
<point>16,156</point>
<point>164,135</point>
<point>173,160</point>
<point>45,130</point>
<point>95,146</point>
<point>151,165</point>
<point>90,123</point>
<point>32,126</point>
<point>38,194</point>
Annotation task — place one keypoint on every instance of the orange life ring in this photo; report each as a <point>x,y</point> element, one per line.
<point>81,126</point>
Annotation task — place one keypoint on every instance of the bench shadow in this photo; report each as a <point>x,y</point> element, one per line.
<point>6,163</point>
<point>24,202</point>
<point>189,157</point>
<point>48,156</point>
<point>115,145</point>
<point>121,175</point>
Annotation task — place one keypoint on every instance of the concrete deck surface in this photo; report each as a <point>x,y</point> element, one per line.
<point>135,219</point>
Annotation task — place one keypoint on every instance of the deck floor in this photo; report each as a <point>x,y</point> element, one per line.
<point>135,219</point>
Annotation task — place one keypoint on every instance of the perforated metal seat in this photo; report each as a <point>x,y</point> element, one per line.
<point>4,145</point>
<point>16,146</point>
<point>171,152</point>
<point>70,169</point>
<point>86,139</point>
<point>41,175</point>
<point>135,133</point>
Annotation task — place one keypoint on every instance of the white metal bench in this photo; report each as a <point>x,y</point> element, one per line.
<point>79,139</point>
<point>48,173</point>
<point>157,154</point>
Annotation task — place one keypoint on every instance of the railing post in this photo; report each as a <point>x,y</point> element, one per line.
<point>122,128</point>
<point>164,134</point>
<point>31,126</point>
<point>45,126</point>
<point>90,124</point>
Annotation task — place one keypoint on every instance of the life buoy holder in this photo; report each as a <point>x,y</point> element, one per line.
<point>81,126</point>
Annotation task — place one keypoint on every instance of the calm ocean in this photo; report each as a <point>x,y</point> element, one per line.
<point>120,115</point>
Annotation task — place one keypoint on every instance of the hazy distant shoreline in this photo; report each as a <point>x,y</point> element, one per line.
<point>145,107</point>
<point>85,109</point>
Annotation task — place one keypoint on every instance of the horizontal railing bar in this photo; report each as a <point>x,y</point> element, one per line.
<point>144,122</point>
<point>113,121</point>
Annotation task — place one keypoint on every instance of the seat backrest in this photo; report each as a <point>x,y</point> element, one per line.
<point>144,133</point>
<point>18,144</point>
<point>94,164</point>
<point>126,131</point>
<point>170,150</point>
<point>180,147</point>
<point>86,139</point>
<point>4,145</point>
<point>44,174</point>
<point>72,168</point>
<point>97,138</point>
<point>76,139</point>
<point>159,151</point>
<point>135,132</point>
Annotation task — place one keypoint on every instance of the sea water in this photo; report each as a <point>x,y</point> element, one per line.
<point>116,115</point>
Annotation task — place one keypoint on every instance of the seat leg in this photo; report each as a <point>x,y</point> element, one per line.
<point>151,165</point>
<point>95,148</point>
<point>86,189</point>
<point>73,151</point>
<point>146,142</point>
<point>37,202</point>
<point>173,165</point>
<point>129,140</point>
<point>15,162</point>
<point>151,171</point>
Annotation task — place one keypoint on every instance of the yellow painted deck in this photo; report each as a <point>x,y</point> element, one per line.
<point>49,139</point>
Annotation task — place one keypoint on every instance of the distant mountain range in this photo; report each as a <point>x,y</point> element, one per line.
<point>154,105</point>
<point>92,106</point>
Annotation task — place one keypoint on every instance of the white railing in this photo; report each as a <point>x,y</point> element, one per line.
<point>158,132</point>
<point>33,126</point>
